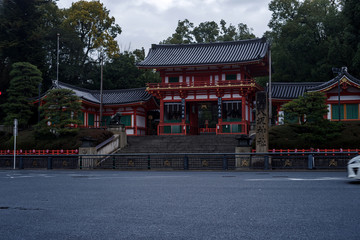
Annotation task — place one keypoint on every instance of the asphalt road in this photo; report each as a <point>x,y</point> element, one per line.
<point>40,204</point>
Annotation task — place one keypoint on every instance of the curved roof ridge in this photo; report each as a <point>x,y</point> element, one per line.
<point>209,43</point>
<point>335,80</point>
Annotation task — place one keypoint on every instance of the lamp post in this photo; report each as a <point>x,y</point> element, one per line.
<point>39,102</point>
<point>338,71</point>
<point>57,60</point>
<point>270,90</point>
<point>101,88</point>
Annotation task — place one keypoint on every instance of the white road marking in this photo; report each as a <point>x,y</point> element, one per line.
<point>297,179</point>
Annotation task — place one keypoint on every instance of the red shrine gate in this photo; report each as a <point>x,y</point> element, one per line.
<point>207,88</point>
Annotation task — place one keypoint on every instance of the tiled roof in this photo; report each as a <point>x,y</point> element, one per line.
<point>110,97</point>
<point>206,53</point>
<point>286,90</point>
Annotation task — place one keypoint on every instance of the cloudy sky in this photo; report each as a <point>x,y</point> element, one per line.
<point>145,22</point>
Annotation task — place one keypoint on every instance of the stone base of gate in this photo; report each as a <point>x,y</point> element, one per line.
<point>242,162</point>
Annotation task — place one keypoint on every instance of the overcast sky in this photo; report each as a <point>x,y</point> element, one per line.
<point>144,22</point>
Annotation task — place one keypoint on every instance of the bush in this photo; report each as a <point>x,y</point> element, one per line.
<point>28,140</point>
<point>329,135</point>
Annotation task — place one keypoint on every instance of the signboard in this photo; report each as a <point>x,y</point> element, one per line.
<point>219,107</point>
<point>15,127</point>
<point>183,108</point>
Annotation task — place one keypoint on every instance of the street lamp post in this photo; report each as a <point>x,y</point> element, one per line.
<point>270,90</point>
<point>338,71</point>
<point>39,102</point>
<point>57,60</point>
<point>101,88</point>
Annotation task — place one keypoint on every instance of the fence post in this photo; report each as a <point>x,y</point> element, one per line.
<point>186,163</point>
<point>225,163</point>
<point>310,161</point>
<point>148,162</point>
<point>113,163</point>
<point>21,163</point>
<point>80,162</point>
<point>266,162</point>
<point>49,165</point>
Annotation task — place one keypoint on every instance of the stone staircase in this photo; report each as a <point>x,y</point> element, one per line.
<point>181,144</point>
<point>170,144</point>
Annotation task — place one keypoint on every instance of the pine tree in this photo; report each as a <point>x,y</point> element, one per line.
<point>25,79</point>
<point>60,113</point>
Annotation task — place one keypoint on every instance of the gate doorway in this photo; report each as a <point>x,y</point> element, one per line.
<point>202,117</point>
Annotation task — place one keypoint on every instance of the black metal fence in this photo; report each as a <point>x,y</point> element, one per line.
<point>182,161</point>
<point>39,161</point>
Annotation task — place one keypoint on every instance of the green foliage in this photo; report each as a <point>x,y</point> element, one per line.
<point>309,108</point>
<point>25,27</point>
<point>25,79</point>
<point>207,32</point>
<point>182,33</point>
<point>93,25</point>
<point>307,39</point>
<point>88,32</point>
<point>314,130</point>
<point>59,113</point>
<point>122,73</point>
<point>29,139</point>
<point>329,135</point>
<point>351,14</point>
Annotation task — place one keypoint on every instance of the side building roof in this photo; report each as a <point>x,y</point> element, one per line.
<point>181,55</point>
<point>110,97</point>
<point>288,91</point>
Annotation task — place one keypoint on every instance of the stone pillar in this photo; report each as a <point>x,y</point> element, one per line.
<point>242,162</point>
<point>119,130</point>
<point>87,148</point>
<point>262,123</point>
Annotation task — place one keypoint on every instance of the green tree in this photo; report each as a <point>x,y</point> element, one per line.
<point>25,79</point>
<point>306,39</point>
<point>89,31</point>
<point>25,27</point>
<point>351,14</point>
<point>310,110</point>
<point>59,113</point>
<point>182,35</point>
<point>208,32</point>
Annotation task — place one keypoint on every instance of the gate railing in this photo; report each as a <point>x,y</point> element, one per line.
<point>183,161</point>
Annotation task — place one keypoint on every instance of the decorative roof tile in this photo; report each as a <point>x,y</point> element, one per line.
<point>110,97</point>
<point>205,53</point>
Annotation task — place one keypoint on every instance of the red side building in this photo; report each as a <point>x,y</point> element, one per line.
<point>209,87</point>
<point>135,106</point>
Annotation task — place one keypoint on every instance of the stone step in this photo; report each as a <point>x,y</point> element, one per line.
<point>179,144</point>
